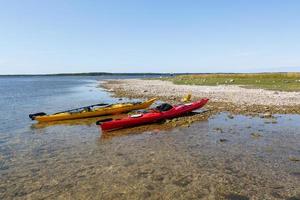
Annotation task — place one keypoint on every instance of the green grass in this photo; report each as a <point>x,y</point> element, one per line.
<point>270,81</point>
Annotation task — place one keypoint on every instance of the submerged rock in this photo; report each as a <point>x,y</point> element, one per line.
<point>223,140</point>
<point>294,159</point>
<point>256,135</point>
<point>183,182</point>
<point>230,116</point>
<point>266,115</point>
<point>218,130</point>
<point>186,125</point>
<point>236,197</point>
<point>271,121</point>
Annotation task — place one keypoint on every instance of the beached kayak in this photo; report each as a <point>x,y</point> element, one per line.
<point>92,111</point>
<point>162,112</point>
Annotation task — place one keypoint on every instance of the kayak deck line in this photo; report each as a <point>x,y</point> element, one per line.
<point>162,112</point>
<point>97,111</point>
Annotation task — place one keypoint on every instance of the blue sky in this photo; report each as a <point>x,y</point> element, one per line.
<point>53,36</point>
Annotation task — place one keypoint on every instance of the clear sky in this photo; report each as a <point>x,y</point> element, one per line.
<point>53,36</point>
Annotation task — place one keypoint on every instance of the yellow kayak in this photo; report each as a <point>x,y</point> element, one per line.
<point>92,111</point>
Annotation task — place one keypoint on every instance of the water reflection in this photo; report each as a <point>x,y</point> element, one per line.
<point>164,125</point>
<point>70,162</point>
<point>77,122</point>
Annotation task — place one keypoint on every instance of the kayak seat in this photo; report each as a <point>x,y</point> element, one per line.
<point>164,107</point>
<point>87,109</point>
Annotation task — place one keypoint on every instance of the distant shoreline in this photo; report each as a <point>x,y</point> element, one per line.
<point>91,74</point>
<point>132,74</point>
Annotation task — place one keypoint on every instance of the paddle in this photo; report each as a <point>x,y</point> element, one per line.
<point>85,107</point>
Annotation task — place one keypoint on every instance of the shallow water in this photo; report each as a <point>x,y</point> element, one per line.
<point>221,158</point>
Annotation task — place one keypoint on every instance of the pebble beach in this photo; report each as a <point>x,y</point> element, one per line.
<point>231,98</point>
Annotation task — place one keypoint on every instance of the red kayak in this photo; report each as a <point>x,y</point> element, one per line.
<point>162,112</point>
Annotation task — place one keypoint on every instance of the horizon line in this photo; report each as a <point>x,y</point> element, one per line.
<point>141,73</point>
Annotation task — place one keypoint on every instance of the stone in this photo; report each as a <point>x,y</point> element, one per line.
<point>230,116</point>
<point>266,115</point>
<point>294,159</point>
<point>218,130</point>
<point>236,197</point>
<point>183,182</point>
<point>256,135</point>
<point>223,140</point>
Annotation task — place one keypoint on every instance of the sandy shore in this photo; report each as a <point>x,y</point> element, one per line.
<point>222,98</point>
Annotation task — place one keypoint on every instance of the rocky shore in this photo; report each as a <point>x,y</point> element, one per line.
<point>256,153</point>
<point>233,99</point>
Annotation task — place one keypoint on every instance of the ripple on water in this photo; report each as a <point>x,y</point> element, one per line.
<point>188,162</point>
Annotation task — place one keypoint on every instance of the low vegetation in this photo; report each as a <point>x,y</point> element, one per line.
<point>270,81</point>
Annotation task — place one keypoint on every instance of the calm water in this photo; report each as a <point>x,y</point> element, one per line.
<point>23,95</point>
<point>215,159</point>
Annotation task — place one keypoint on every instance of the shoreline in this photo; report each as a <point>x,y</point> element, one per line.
<point>256,152</point>
<point>233,99</point>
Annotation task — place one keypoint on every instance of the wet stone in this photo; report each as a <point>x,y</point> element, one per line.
<point>218,130</point>
<point>145,173</point>
<point>118,195</point>
<point>120,154</point>
<point>256,135</point>
<point>223,140</point>
<point>296,174</point>
<point>271,121</point>
<point>230,116</point>
<point>2,189</point>
<point>20,193</point>
<point>293,198</point>
<point>3,166</point>
<point>186,125</point>
<point>183,182</point>
<point>266,115</point>
<point>294,159</point>
<point>201,195</point>
<point>236,197</point>
<point>129,163</point>
<point>276,194</point>
<point>158,177</point>
<point>278,187</point>
<point>146,195</point>
<point>149,187</point>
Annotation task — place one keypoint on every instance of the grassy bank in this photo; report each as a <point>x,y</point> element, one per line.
<point>270,81</point>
